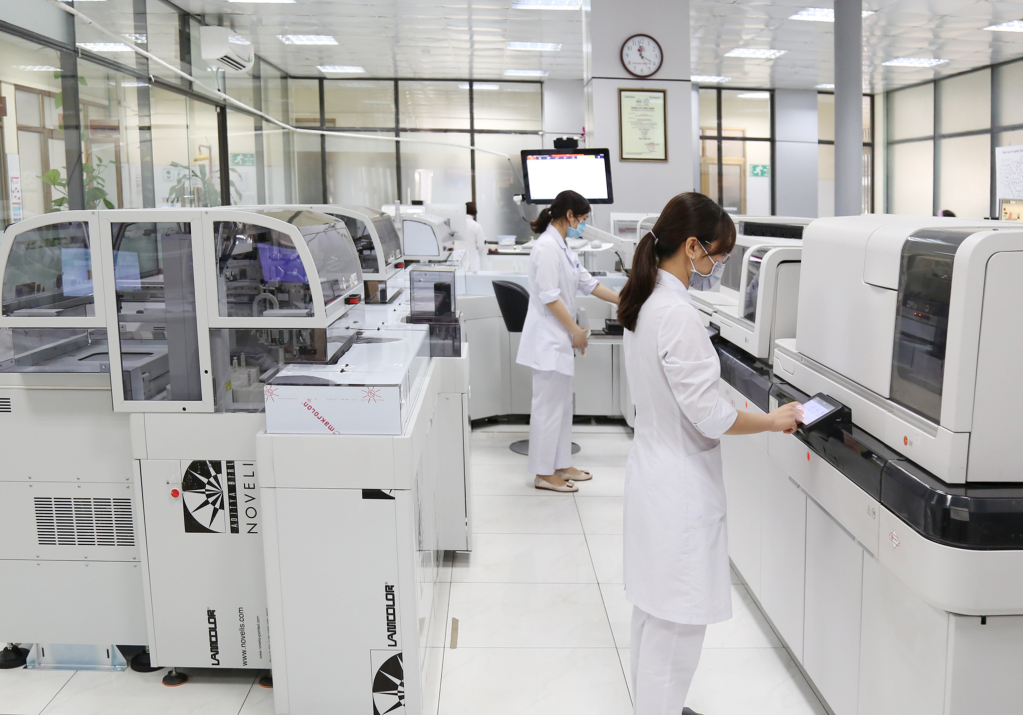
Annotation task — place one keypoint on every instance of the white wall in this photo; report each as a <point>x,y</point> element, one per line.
<point>564,109</point>
<point>639,186</point>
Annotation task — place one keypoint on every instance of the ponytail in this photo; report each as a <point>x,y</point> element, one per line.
<point>542,222</point>
<point>642,279</point>
<point>563,203</point>
<point>687,215</point>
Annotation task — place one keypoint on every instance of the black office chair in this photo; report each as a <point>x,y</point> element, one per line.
<point>513,300</point>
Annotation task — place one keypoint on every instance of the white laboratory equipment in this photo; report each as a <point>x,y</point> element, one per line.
<point>426,238</point>
<point>885,543</point>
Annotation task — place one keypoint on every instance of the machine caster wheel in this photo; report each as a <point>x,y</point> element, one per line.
<point>13,657</point>
<point>173,679</point>
<point>141,663</point>
<point>267,681</point>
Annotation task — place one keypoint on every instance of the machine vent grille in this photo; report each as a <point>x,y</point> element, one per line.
<point>5,404</point>
<point>84,521</point>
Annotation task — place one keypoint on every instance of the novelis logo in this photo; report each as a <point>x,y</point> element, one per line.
<point>211,622</point>
<point>391,609</point>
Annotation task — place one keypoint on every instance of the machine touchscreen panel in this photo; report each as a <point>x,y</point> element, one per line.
<point>816,410</point>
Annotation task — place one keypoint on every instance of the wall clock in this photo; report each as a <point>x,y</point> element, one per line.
<point>641,55</point>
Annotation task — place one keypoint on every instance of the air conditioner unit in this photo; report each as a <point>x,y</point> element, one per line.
<point>217,47</point>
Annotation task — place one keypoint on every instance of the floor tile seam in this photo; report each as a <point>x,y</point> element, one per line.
<point>529,583</point>
<point>603,602</point>
<point>252,685</point>
<point>50,701</point>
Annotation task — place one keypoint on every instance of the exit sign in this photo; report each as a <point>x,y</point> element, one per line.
<point>760,170</point>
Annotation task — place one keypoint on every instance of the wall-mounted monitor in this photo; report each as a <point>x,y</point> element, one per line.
<point>548,172</point>
<point>1010,209</point>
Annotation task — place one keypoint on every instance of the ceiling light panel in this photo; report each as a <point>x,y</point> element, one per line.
<point>340,69</point>
<point>136,37</point>
<point>37,68</point>
<point>485,86</point>
<point>820,14</point>
<point>754,95</point>
<point>825,86</point>
<point>307,39</point>
<point>752,53</point>
<point>105,46</point>
<point>1013,26</point>
<point>547,5</point>
<point>525,73</point>
<point>535,46</point>
<point>238,40</point>
<point>913,62</point>
<point>709,79</point>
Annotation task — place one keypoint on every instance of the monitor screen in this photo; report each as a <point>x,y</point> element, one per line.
<point>548,172</point>
<point>1012,209</point>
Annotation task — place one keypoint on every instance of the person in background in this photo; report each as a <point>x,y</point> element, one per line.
<point>948,214</point>
<point>476,241</point>
<point>676,550</point>
<point>549,335</point>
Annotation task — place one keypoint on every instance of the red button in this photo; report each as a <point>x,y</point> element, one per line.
<point>175,493</point>
<point>807,456</point>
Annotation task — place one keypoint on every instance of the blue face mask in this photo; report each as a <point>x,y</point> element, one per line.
<point>577,232</point>
<point>705,281</point>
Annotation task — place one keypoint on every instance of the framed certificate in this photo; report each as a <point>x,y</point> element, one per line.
<point>642,125</point>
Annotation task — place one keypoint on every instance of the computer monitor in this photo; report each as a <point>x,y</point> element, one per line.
<point>548,172</point>
<point>1010,209</point>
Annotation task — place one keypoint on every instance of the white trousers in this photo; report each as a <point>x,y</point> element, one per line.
<point>550,422</point>
<point>664,660</point>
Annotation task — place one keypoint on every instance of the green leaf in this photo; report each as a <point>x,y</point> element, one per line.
<point>59,202</point>
<point>106,202</point>
<point>52,176</point>
<point>56,74</point>
<point>88,167</point>
<point>58,100</point>
<point>81,81</point>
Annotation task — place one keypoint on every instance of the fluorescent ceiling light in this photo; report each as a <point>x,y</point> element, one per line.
<point>238,40</point>
<point>709,79</point>
<point>755,53</point>
<point>547,4</point>
<point>754,95</point>
<point>340,69</point>
<point>825,86</point>
<point>307,39</point>
<point>38,68</point>
<point>1011,26</point>
<point>136,37</point>
<point>820,14</point>
<point>134,84</point>
<point>535,46</point>
<point>525,73</point>
<point>913,62</point>
<point>479,85</point>
<point>105,46</point>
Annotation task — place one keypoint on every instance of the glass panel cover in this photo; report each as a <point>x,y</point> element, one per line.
<point>49,273</point>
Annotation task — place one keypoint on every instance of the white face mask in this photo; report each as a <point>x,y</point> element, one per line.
<point>705,281</point>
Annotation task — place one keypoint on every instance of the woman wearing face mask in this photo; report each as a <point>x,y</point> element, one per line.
<point>549,336</point>
<point>676,552</point>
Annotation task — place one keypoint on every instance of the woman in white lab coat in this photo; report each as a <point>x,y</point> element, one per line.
<point>476,241</point>
<point>549,336</point>
<point>676,551</point>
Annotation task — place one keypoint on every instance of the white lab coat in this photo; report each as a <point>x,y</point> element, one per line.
<point>676,548</point>
<point>475,244</point>
<point>554,273</point>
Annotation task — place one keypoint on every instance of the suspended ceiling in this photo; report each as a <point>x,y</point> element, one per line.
<point>468,38</point>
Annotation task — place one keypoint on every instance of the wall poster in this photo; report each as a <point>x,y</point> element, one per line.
<point>642,125</point>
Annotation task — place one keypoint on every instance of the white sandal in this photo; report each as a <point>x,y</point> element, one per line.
<point>582,476</point>
<point>541,483</point>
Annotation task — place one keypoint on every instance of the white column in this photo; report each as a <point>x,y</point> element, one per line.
<point>639,186</point>
<point>795,152</point>
<point>848,107</point>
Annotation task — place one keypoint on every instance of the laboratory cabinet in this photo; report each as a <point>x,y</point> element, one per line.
<point>743,461</point>
<point>783,554</point>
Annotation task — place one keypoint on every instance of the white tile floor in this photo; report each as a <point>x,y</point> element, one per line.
<point>543,624</point>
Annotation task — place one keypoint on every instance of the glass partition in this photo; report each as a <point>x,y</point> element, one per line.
<point>964,102</point>
<point>964,179</point>
<point>49,273</point>
<point>1009,107</point>
<point>155,289</point>
<point>72,350</point>
<point>507,105</point>
<point>433,105</point>
<point>911,178</point>
<point>911,113</point>
<point>359,104</point>
<point>332,249</point>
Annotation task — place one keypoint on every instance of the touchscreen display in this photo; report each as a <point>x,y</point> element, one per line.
<point>815,409</point>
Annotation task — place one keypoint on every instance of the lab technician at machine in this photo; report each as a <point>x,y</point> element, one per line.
<point>549,336</point>
<point>676,550</point>
<point>476,247</point>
